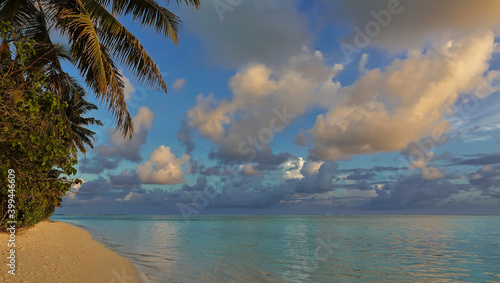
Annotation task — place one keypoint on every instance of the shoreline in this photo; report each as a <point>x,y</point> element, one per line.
<point>63,252</point>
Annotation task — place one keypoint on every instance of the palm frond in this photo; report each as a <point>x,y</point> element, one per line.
<point>190,3</point>
<point>150,14</point>
<point>77,107</point>
<point>76,23</point>
<point>94,62</point>
<point>125,46</point>
<point>95,36</point>
<point>18,12</point>
<point>115,97</point>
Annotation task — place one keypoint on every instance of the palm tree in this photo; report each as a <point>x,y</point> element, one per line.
<point>97,40</point>
<point>76,108</point>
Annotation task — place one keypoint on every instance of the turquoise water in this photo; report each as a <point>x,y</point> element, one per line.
<point>303,248</point>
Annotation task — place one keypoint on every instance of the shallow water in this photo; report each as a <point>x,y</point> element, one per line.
<point>303,248</point>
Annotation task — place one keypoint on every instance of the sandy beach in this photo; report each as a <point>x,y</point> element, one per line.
<point>59,252</point>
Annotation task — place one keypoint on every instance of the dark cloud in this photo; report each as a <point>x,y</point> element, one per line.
<point>115,192</point>
<point>301,140</point>
<point>120,149</point>
<point>265,159</point>
<point>215,170</point>
<point>478,159</point>
<point>443,19</point>
<point>234,190</point>
<point>454,176</point>
<point>96,164</point>
<point>271,161</point>
<point>100,191</point>
<point>385,168</point>
<point>185,137</point>
<point>126,149</point>
<point>360,175</point>
<point>316,183</point>
<point>376,169</point>
<point>476,127</point>
<point>279,32</point>
<point>317,191</point>
<point>248,192</point>
<point>414,192</point>
<point>359,185</point>
<point>200,185</point>
<point>211,171</point>
<point>486,180</point>
<point>445,156</point>
<point>419,150</point>
<point>127,178</point>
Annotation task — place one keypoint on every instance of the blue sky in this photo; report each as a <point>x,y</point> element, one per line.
<point>308,107</point>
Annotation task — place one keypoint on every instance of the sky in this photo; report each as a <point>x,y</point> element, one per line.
<point>308,107</point>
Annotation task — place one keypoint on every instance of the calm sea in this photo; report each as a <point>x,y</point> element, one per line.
<point>303,248</point>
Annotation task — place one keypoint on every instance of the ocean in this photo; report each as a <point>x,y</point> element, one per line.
<point>302,248</point>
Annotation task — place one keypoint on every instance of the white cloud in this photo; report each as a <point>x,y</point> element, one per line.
<point>299,168</point>
<point>362,63</point>
<point>179,84</point>
<point>387,109</point>
<point>252,83</point>
<point>420,155</point>
<point>75,189</point>
<point>383,111</point>
<point>163,167</point>
<point>292,168</point>
<point>129,148</point>
<point>310,168</point>
<point>128,88</point>
<point>259,92</point>
<point>143,119</point>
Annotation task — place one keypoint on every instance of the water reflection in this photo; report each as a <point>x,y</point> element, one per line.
<point>305,248</point>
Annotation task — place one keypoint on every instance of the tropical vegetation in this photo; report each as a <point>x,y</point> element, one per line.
<point>34,136</point>
<point>97,41</point>
<point>43,110</point>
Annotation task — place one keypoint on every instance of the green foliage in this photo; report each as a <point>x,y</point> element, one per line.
<point>97,41</point>
<point>34,135</point>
